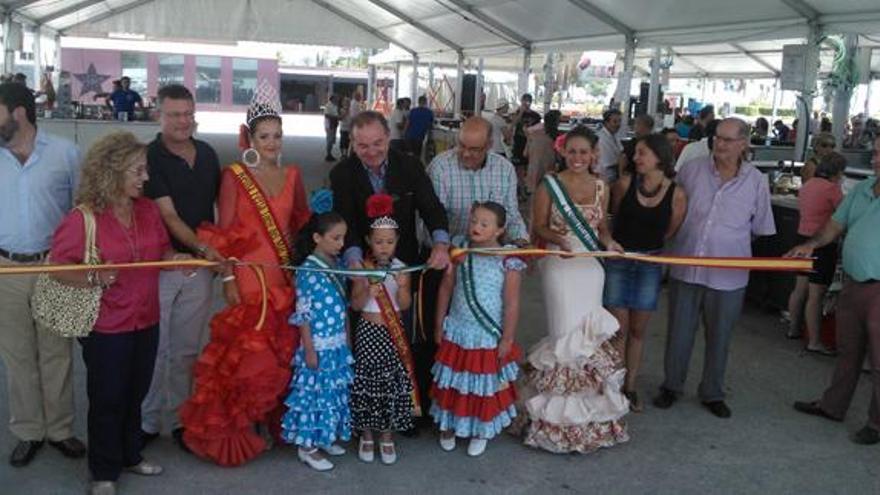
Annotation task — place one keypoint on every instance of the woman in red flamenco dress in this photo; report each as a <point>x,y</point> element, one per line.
<point>243,372</point>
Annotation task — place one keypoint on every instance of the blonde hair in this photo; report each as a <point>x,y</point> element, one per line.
<point>103,171</point>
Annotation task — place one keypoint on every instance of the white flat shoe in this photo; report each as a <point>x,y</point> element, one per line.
<point>317,464</point>
<point>387,458</point>
<point>365,450</point>
<point>145,468</point>
<point>447,444</point>
<point>102,488</point>
<point>334,450</point>
<point>477,447</point>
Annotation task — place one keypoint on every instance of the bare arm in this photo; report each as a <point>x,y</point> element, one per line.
<point>605,227</point>
<point>541,219</point>
<point>512,283</point>
<point>404,294</point>
<point>679,210</point>
<point>830,232</point>
<point>305,332</point>
<point>360,293</point>
<point>618,191</point>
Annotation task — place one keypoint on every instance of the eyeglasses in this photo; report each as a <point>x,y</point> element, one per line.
<point>472,150</point>
<point>177,115</point>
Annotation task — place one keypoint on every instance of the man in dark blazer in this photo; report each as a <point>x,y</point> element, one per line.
<point>374,168</point>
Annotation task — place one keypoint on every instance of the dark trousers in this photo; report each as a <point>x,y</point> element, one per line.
<point>331,139</point>
<point>415,146</point>
<point>858,333</point>
<point>423,345</point>
<point>119,369</point>
<point>689,304</point>
<point>344,142</point>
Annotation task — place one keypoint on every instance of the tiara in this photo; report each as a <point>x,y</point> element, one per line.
<point>384,223</point>
<point>265,102</point>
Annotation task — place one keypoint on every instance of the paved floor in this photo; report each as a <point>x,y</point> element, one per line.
<point>765,448</point>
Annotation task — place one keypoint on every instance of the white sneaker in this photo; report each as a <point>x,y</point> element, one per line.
<point>387,458</point>
<point>447,444</point>
<point>477,447</point>
<point>334,450</point>
<point>316,464</point>
<point>365,450</point>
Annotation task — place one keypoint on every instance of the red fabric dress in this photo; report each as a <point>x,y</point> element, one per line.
<point>243,372</point>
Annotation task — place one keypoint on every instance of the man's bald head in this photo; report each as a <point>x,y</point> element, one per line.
<point>474,141</point>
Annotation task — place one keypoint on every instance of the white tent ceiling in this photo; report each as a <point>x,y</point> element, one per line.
<point>708,37</point>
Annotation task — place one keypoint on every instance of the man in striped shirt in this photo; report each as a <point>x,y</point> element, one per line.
<point>470,173</point>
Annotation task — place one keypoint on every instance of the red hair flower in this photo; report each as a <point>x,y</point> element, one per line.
<point>380,205</point>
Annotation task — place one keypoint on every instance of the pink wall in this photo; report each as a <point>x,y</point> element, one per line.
<point>108,62</point>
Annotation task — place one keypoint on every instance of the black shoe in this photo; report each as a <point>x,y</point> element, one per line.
<point>70,447</point>
<point>329,158</point>
<point>666,399</point>
<point>718,408</point>
<point>177,434</point>
<point>147,437</point>
<point>411,433</point>
<point>866,436</point>
<point>24,453</point>
<point>814,409</point>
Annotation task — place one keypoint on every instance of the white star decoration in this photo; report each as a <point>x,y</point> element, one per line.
<point>91,81</point>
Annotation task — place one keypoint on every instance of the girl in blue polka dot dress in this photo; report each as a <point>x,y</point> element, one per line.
<point>318,411</point>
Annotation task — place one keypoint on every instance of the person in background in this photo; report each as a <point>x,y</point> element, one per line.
<point>672,138</point>
<point>610,147</point>
<point>823,145</point>
<point>500,130</point>
<point>39,173</point>
<point>344,126</point>
<point>728,204</point>
<point>817,200</point>
<point>120,352</point>
<point>397,123</point>
<point>698,131</point>
<point>781,131</point>
<point>683,127</point>
<point>858,309</point>
<point>124,99</point>
<point>331,124</point>
<point>184,183</point>
<point>760,131</point>
<point>643,126</point>
<point>418,127</point>
<point>524,118</point>
<point>698,149</point>
<point>541,150</point>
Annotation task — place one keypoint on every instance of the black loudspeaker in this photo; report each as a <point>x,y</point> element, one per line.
<point>468,89</point>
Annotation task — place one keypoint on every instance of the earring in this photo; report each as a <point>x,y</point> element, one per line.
<point>250,157</point>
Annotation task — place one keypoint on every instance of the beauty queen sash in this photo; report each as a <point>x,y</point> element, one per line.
<point>398,338</point>
<point>466,275</point>
<point>572,215</point>
<point>270,224</point>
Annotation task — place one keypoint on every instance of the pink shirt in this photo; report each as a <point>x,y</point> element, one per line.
<point>132,303</point>
<point>817,200</point>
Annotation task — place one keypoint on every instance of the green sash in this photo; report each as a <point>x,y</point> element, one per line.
<point>572,215</point>
<point>466,274</point>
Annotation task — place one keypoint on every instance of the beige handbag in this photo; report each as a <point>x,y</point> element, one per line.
<point>63,309</point>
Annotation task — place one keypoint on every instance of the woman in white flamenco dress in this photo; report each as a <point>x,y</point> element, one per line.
<point>573,393</point>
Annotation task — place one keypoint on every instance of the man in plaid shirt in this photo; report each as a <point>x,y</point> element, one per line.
<point>470,173</point>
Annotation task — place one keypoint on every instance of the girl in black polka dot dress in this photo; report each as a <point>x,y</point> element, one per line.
<point>383,396</point>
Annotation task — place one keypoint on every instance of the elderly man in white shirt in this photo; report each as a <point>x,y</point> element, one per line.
<point>610,146</point>
<point>697,149</point>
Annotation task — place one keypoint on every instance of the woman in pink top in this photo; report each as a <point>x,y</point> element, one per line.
<point>121,350</point>
<point>817,200</point>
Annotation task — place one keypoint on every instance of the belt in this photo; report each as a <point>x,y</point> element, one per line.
<point>23,258</point>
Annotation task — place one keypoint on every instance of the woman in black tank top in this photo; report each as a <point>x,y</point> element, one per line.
<point>646,210</point>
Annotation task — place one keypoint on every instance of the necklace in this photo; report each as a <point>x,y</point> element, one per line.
<point>131,237</point>
<point>646,193</point>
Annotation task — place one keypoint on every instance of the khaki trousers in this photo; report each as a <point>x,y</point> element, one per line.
<point>39,366</point>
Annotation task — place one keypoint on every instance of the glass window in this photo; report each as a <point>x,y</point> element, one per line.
<point>170,70</point>
<point>244,80</point>
<point>207,79</point>
<point>134,66</point>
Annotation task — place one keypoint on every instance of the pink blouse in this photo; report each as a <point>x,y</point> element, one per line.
<point>132,302</point>
<point>817,200</point>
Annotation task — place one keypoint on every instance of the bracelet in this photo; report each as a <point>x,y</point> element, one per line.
<point>228,278</point>
<point>90,278</point>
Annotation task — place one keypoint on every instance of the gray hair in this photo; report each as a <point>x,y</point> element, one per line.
<point>744,129</point>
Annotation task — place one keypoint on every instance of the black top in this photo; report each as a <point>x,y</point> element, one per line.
<point>697,132</point>
<point>639,228</point>
<point>519,133</point>
<point>193,190</point>
<point>409,185</point>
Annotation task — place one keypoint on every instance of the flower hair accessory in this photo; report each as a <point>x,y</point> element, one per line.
<point>321,201</point>
<point>380,207</point>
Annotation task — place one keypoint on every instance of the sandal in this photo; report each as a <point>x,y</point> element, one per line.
<point>635,404</point>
